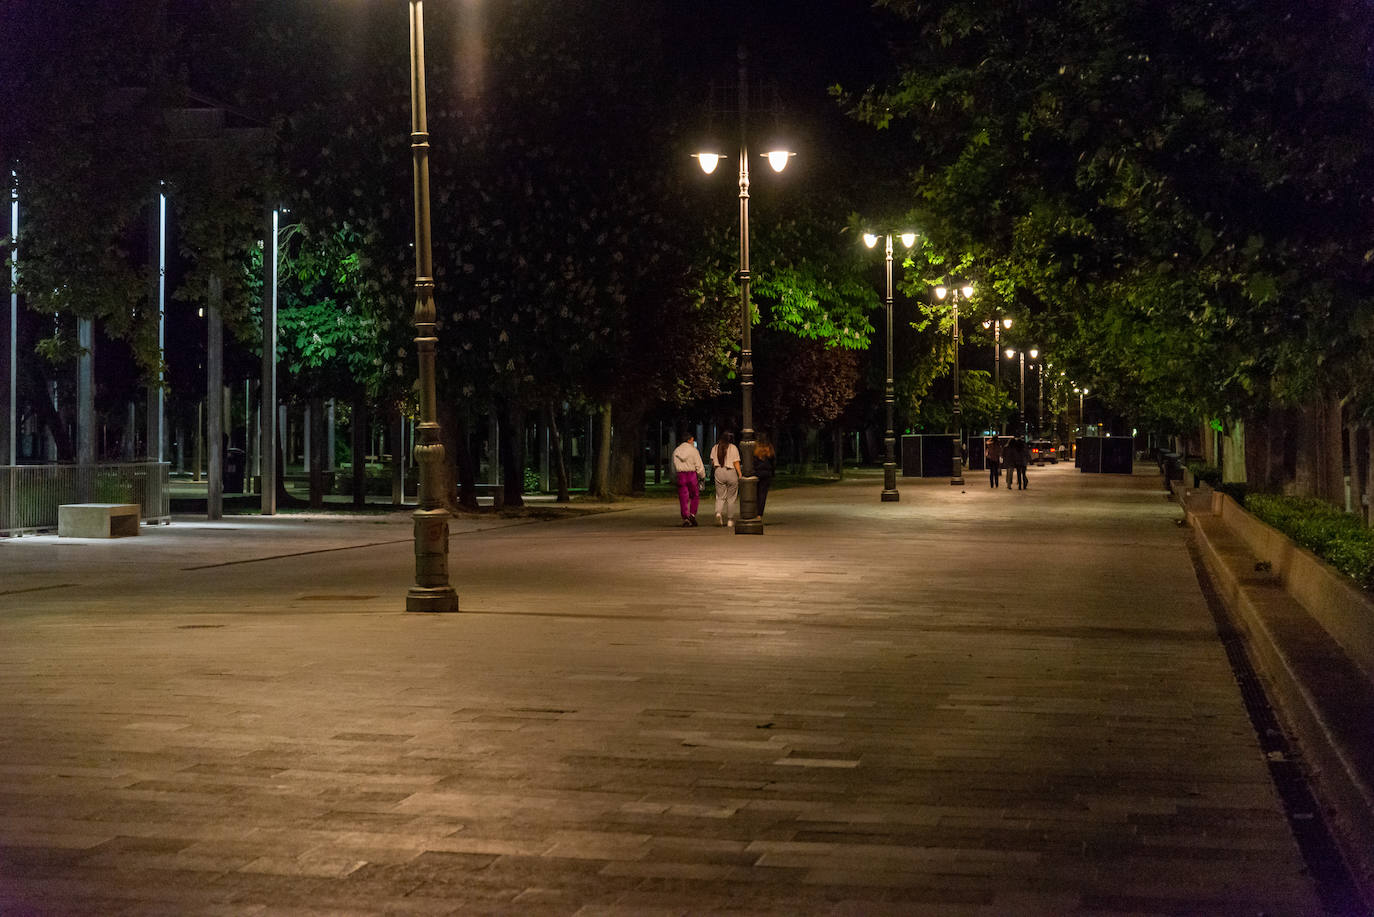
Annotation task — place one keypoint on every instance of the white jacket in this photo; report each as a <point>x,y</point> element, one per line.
<point>687,458</point>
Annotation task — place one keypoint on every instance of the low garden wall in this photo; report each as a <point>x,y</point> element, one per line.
<point>1343,609</point>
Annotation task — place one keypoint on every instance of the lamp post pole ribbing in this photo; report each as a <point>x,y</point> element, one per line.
<point>431,590</point>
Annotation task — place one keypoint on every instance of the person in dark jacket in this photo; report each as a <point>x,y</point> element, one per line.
<point>993,456</point>
<point>1018,455</point>
<point>765,464</point>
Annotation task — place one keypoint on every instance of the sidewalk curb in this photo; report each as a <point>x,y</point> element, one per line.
<point>1321,694</point>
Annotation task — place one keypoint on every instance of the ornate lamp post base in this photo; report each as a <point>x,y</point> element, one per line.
<point>431,591</point>
<point>439,599</point>
<point>890,494</point>
<point>749,522</point>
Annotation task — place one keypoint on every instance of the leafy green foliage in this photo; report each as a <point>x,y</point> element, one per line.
<point>333,332</point>
<point>1171,202</point>
<point>1340,539</point>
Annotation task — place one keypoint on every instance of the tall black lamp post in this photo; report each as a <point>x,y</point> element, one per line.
<point>997,324</point>
<point>956,476</point>
<point>890,494</point>
<point>750,523</point>
<point>1021,404</point>
<point>431,590</point>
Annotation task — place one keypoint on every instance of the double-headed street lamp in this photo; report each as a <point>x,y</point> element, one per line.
<point>1021,404</point>
<point>1082,428</point>
<point>957,472</point>
<point>777,155</point>
<point>431,591</point>
<point>890,494</point>
<point>997,324</point>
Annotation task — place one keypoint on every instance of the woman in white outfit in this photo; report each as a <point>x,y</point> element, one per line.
<point>725,469</point>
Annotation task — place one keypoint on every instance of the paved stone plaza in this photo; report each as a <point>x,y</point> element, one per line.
<point>973,701</point>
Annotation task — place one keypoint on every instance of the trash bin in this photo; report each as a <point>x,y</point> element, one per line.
<point>234,468</point>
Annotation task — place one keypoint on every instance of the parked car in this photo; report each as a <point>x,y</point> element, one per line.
<point>1043,451</point>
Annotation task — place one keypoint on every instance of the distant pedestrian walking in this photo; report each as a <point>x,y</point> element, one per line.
<point>993,456</point>
<point>1018,454</point>
<point>765,458</point>
<point>725,471</point>
<point>690,471</point>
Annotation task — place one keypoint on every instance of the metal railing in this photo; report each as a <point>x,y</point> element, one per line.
<point>31,494</point>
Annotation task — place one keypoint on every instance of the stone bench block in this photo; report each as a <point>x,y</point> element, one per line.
<point>97,520</point>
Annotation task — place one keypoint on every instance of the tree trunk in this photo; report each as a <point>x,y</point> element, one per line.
<point>359,431</point>
<point>627,450</point>
<point>561,467</point>
<point>396,434</point>
<point>837,445</point>
<point>1332,450</point>
<point>513,454</point>
<point>602,484</point>
<point>50,418</point>
<point>1367,480</point>
<point>460,482</point>
<point>280,483</point>
<point>316,457</point>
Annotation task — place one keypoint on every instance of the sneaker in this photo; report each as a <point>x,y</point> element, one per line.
<point>731,523</point>
<point>718,520</point>
<point>686,523</point>
<point>692,520</point>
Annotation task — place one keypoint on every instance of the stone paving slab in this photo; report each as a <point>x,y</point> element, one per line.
<point>973,701</point>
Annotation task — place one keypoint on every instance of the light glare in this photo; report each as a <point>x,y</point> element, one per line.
<point>708,161</point>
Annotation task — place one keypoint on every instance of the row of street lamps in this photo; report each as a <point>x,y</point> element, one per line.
<point>431,590</point>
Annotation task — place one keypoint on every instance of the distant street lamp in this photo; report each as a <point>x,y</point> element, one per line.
<point>1021,404</point>
<point>957,472</point>
<point>890,494</point>
<point>431,591</point>
<point>1082,429</point>
<point>778,156</point>
<point>997,325</point>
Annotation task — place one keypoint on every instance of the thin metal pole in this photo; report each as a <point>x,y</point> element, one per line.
<point>749,522</point>
<point>11,454</point>
<point>1022,408</point>
<point>431,590</point>
<point>890,493</point>
<point>214,398</point>
<point>267,392</point>
<point>957,472</point>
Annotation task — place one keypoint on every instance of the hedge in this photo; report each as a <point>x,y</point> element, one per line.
<point>1340,539</point>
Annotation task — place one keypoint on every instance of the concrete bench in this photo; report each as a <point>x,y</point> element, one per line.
<point>97,520</point>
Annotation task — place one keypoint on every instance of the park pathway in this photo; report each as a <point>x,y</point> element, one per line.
<point>971,702</point>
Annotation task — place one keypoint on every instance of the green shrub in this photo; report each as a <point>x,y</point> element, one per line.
<point>531,481</point>
<point>1340,539</point>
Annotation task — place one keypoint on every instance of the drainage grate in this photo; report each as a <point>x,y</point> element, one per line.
<point>1334,883</point>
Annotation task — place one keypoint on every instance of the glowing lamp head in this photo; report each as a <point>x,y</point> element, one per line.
<point>870,240</point>
<point>967,291</point>
<point>908,239</point>
<point>778,158</point>
<point>941,292</point>
<point>1010,352</point>
<point>1034,353</point>
<point>1006,323</point>
<point>707,161</point>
